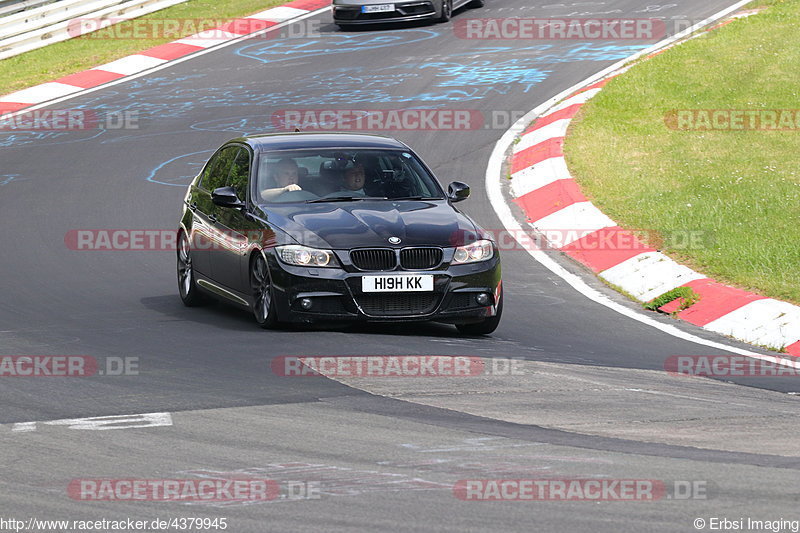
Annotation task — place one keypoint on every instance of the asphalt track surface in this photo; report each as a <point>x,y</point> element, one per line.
<point>210,367</point>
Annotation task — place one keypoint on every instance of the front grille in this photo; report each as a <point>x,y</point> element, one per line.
<point>374,259</point>
<point>383,15</point>
<point>420,258</point>
<point>398,304</point>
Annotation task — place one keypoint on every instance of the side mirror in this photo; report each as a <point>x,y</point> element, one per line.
<point>226,197</point>
<point>457,191</point>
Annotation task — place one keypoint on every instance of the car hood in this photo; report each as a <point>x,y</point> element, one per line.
<point>372,223</point>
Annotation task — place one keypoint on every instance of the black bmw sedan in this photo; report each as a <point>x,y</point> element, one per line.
<point>304,227</point>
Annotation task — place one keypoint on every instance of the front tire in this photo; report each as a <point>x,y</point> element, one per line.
<point>187,287</point>
<point>447,10</point>
<point>263,302</point>
<point>486,326</point>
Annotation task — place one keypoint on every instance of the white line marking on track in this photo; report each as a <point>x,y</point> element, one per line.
<point>686,397</point>
<point>101,423</point>
<point>34,94</point>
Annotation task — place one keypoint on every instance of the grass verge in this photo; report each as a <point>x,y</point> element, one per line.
<point>687,296</point>
<point>740,189</point>
<point>67,57</point>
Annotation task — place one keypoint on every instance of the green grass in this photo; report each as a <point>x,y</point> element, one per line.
<point>740,189</point>
<point>75,55</point>
<point>688,298</point>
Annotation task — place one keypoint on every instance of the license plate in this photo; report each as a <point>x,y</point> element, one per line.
<point>377,8</point>
<point>397,283</point>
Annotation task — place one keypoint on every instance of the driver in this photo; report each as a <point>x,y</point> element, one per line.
<point>354,179</point>
<point>286,176</point>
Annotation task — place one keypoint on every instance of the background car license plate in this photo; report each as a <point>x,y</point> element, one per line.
<point>377,8</point>
<point>397,283</point>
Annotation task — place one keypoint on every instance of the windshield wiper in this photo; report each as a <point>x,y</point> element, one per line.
<point>416,198</point>
<point>345,199</point>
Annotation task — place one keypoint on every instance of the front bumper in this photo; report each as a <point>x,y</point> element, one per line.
<point>336,294</point>
<point>404,12</point>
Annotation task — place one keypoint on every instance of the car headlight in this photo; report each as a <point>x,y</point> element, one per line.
<point>472,253</point>
<point>305,256</point>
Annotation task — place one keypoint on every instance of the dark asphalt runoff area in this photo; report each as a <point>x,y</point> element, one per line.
<point>380,464</point>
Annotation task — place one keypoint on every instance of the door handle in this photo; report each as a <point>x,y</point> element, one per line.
<point>193,206</point>
<point>212,218</point>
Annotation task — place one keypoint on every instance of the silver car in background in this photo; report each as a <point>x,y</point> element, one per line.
<point>355,12</point>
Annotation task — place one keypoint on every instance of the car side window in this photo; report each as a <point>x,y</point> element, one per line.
<point>216,172</point>
<point>239,175</point>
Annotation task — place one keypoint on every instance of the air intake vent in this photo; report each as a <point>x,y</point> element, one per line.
<point>399,304</point>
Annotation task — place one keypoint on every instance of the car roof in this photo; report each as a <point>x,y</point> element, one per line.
<point>291,141</point>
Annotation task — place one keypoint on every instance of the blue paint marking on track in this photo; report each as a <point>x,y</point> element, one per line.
<point>288,49</point>
<point>549,53</point>
<point>129,138</point>
<point>488,73</point>
<point>5,179</point>
<point>240,125</point>
<point>190,164</point>
<point>22,138</point>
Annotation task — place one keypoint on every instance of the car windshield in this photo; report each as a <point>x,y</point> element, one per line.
<point>343,175</point>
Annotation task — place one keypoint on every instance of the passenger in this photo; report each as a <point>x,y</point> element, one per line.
<point>286,176</point>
